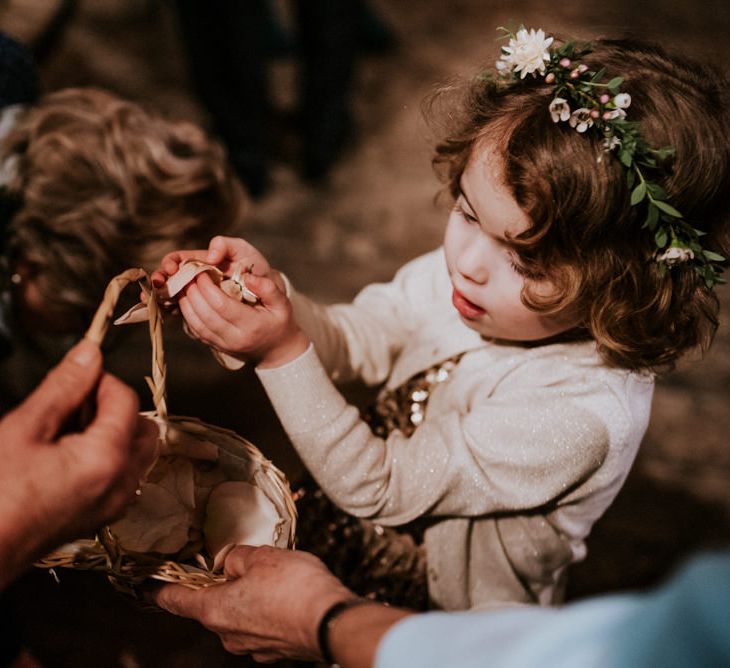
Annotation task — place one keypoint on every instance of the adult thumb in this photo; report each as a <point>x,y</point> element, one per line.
<point>63,390</point>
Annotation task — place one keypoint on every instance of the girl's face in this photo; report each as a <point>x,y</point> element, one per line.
<point>485,272</point>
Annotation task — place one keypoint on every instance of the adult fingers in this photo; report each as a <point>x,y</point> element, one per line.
<point>238,560</point>
<point>63,391</point>
<point>265,657</point>
<point>116,421</point>
<point>181,601</point>
<point>145,444</point>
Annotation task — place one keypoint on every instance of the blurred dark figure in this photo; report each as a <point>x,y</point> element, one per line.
<point>230,44</point>
<point>19,82</point>
<point>226,43</point>
<point>19,87</point>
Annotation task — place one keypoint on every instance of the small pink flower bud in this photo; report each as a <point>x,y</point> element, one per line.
<point>549,78</point>
<point>582,68</point>
<point>606,115</point>
<point>574,74</point>
<point>595,113</point>
<point>565,62</point>
<point>604,98</point>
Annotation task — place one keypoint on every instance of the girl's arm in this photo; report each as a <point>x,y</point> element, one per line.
<point>354,341</point>
<point>514,450</point>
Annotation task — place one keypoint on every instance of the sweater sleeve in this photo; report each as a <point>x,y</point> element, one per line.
<point>515,451</point>
<point>362,339</point>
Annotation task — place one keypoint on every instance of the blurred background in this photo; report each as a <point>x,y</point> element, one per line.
<point>329,139</point>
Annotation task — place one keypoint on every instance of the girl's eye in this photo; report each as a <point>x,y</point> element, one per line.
<point>469,218</point>
<point>519,269</point>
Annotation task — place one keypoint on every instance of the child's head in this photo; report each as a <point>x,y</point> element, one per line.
<point>100,186</point>
<point>584,237</point>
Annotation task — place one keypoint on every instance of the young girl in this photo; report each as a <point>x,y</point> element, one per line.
<point>577,261</point>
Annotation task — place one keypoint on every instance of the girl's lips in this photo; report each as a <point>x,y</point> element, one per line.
<point>465,307</point>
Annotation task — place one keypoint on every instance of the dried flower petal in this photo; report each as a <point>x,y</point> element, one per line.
<point>238,514</point>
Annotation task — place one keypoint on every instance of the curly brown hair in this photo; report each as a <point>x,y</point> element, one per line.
<point>585,236</point>
<point>102,186</point>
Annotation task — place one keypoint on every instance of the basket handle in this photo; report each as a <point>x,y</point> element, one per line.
<point>100,324</point>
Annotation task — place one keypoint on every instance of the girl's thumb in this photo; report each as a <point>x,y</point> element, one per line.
<point>264,289</point>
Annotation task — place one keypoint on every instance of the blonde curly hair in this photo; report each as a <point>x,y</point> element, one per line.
<point>101,186</point>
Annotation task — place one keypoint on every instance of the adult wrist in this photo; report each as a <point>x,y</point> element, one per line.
<point>329,621</point>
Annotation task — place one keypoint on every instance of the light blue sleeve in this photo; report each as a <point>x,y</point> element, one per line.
<point>685,623</point>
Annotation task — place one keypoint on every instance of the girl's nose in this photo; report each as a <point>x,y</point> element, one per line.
<point>472,263</point>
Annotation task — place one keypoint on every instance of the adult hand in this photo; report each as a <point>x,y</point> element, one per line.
<point>62,478</point>
<point>271,606</point>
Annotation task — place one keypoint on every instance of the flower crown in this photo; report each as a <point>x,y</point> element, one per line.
<point>587,103</point>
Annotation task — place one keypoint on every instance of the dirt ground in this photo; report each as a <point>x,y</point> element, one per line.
<point>376,211</point>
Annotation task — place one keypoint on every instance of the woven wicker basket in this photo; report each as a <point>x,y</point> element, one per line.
<point>235,457</point>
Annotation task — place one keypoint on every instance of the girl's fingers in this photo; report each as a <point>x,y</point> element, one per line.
<point>266,290</point>
<point>208,295</point>
<point>214,327</point>
<point>211,293</point>
<point>158,280</point>
<point>217,250</point>
<point>226,248</point>
<point>171,262</point>
<point>211,314</point>
<point>224,252</point>
<point>196,324</point>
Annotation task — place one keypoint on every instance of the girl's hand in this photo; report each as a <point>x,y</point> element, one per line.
<point>265,332</point>
<point>224,253</point>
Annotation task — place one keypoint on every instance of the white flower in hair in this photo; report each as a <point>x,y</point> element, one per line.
<point>527,53</point>
<point>622,100</point>
<point>559,110</point>
<point>613,114</point>
<point>676,255</point>
<point>594,106</point>
<point>581,119</point>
